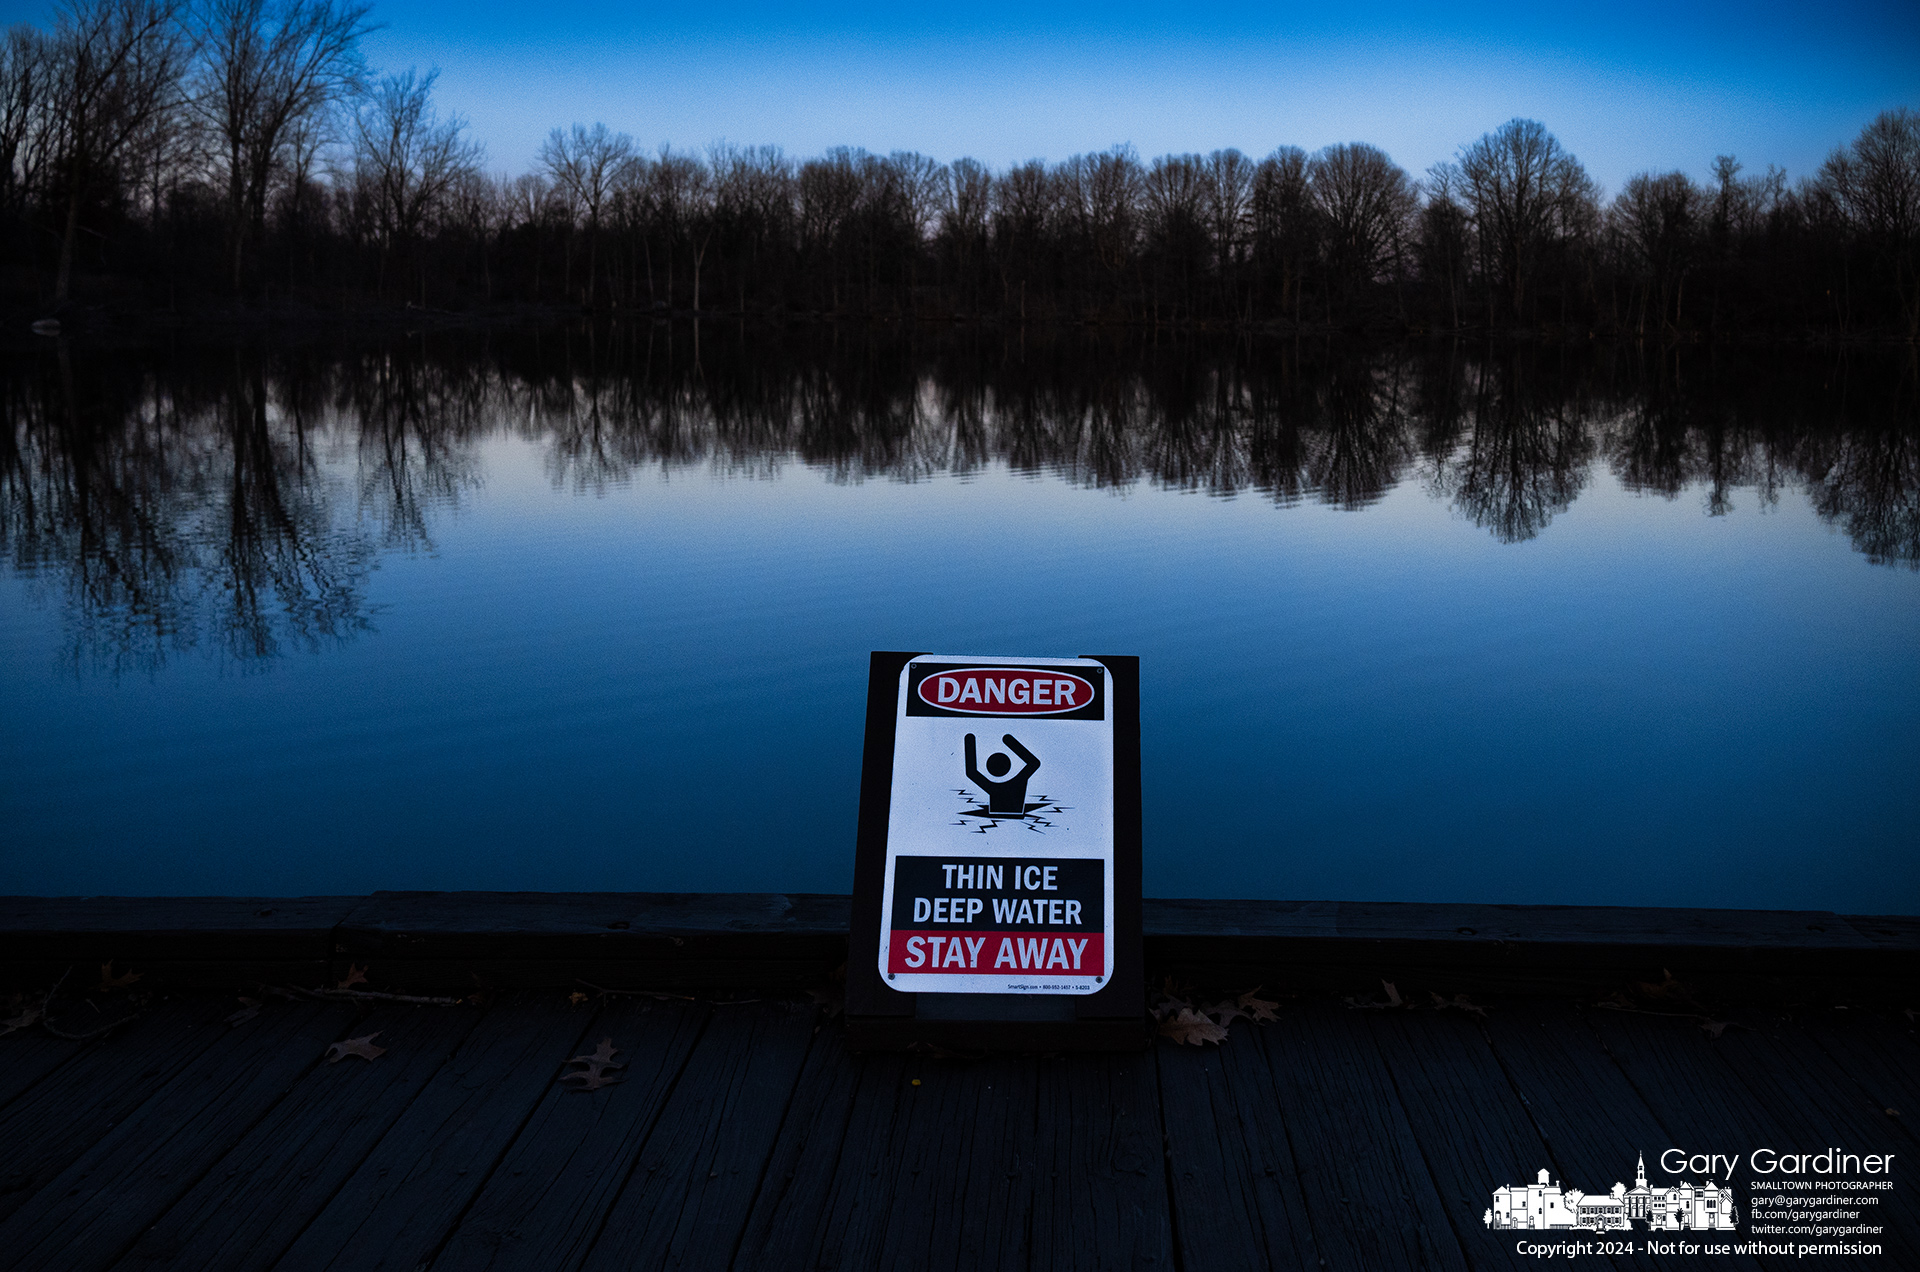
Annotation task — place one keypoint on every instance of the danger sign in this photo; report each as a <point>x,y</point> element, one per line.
<point>999,871</point>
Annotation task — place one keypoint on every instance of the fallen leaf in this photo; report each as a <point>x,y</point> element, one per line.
<point>1458,1000</point>
<point>1393,1000</point>
<point>1226,1011</point>
<point>577,997</point>
<point>362,1047</point>
<point>595,1075</point>
<point>1258,1008</point>
<point>109,981</point>
<point>1714,1028</point>
<point>355,976</point>
<point>1893,1112</point>
<point>1192,1028</point>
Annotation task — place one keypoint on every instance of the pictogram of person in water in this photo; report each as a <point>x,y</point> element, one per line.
<point>1007,798</point>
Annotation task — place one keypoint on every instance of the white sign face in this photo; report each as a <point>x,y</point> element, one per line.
<point>1000,833</point>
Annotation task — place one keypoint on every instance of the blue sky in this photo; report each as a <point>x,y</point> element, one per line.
<point>1627,86</point>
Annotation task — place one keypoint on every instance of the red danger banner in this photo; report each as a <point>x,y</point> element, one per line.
<point>988,953</point>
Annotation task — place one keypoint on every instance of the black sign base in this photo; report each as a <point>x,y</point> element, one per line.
<point>883,1019</point>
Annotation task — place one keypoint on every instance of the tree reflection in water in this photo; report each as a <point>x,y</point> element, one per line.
<point>239,499</point>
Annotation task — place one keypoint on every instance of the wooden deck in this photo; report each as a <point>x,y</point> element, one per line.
<point>746,1136</point>
<point>1345,1134</point>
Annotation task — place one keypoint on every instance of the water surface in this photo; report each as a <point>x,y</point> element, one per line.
<point>590,610</point>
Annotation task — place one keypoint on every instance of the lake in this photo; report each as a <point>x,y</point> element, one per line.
<point>589,608</point>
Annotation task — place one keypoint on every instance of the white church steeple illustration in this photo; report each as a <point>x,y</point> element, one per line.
<point>1640,1173</point>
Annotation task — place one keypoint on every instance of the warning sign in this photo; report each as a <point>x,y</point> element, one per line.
<point>1000,835</point>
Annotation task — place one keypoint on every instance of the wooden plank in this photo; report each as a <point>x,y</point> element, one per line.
<point>550,1196</point>
<point>27,1057</point>
<point>1889,931</point>
<point>69,1110</point>
<point>967,1164</point>
<point>783,1227</point>
<point>590,925</point>
<point>710,969</point>
<point>257,1199</point>
<point>1353,1147</point>
<point>1469,926</point>
<point>92,1212</point>
<point>409,1193</point>
<point>461,940</point>
<point>1882,1057</point>
<point>1674,1066</point>
<point>1474,1132</point>
<point>228,966</point>
<point>686,1205</point>
<point>1101,1196</point>
<point>846,1225</point>
<point>1821,1107</point>
<point>1235,1194</point>
<point>153,929</point>
<point>1595,1123</point>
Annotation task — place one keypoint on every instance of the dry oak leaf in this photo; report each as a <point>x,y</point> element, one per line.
<point>1192,1028</point>
<point>109,981</point>
<point>577,997</point>
<point>362,1047</point>
<point>595,1075</point>
<point>1226,1011</point>
<point>1393,1000</point>
<point>1257,1008</point>
<point>355,976</point>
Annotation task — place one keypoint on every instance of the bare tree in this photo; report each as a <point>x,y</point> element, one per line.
<point>1522,185</point>
<point>1660,220</point>
<point>1284,223</point>
<point>588,163</point>
<point>1876,182</point>
<point>966,219</point>
<point>1444,234</point>
<point>116,65</point>
<point>272,69</point>
<point>1025,201</point>
<point>26,69</point>
<point>1366,203</point>
<point>1227,183</point>
<point>683,193</point>
<point>406,159</point>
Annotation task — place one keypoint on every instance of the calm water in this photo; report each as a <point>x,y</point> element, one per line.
<point>588,611</point>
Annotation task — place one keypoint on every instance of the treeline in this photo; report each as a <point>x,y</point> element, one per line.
<point>243,151</point>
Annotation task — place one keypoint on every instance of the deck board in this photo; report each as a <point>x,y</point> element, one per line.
<point>746,1136</point>
<point>51,1123</point>
<point>1102,1201</point>
<point>1371,1200</point>
<point>253,1204</point>
<point>409,1193</point>
<point>544,1206</point>
<point>703,1162</point>
<point>92,1212</point>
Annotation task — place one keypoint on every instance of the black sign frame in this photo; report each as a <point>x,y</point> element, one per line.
<point>880,1018</point>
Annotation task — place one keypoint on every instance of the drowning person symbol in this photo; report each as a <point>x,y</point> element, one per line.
<point>1004,798</point>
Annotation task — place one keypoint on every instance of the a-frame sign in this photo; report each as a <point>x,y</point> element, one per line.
<point>996,895</point>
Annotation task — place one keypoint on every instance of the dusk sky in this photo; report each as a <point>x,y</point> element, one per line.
<point>1626,86</point>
